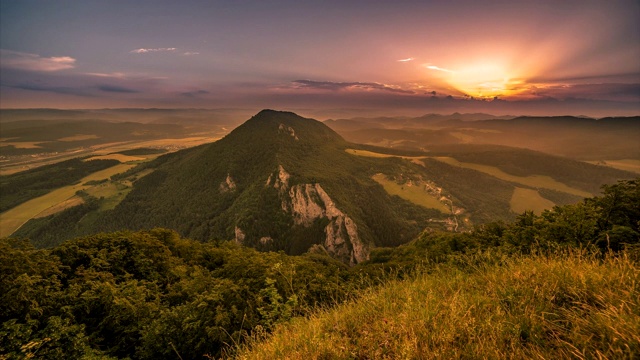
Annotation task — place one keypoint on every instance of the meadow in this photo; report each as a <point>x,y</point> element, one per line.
<point>412,192</point>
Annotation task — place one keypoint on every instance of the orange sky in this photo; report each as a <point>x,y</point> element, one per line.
<point>329,55</point>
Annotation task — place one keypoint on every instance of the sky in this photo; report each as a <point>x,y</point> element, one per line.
<point>385,57</point>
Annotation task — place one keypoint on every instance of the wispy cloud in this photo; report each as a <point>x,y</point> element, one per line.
<point>117,89</point>
<point>34,62</point>
<point>195,93</point>
<point>406,60</point>
<point>437,68</point>
<point>334,86</point>
<point>190,53</point>
<point>148,50</point>
<point>67,90</point>
<point>115,75</point>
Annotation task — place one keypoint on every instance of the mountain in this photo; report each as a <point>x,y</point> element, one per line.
<point>277,182</point>
<point>281,182</point>
<point>581,138</point>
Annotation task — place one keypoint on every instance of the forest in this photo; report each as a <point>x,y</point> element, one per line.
<point>152,294</point>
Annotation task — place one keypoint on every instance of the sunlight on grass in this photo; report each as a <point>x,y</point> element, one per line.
<point>411,192</point>
<point>562,306</point>
<point>536,181</point>
<point>529,199</point>
<point>12,219</point>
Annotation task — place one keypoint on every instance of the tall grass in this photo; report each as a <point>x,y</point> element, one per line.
<point>571,305</point>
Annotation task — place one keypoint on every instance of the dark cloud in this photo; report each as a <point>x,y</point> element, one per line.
<point>117,89</point>
<point>612,91</point>
<point>54,89</point>
<point>194,93</point>
<point>335,86</point>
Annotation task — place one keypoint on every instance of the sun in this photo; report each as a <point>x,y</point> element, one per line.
<point>481,79</point>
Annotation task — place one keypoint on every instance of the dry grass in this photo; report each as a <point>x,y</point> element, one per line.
<point>78,137</point>
<point>12,219</point>
<point>558,307</point>
<point>536,181</point>
<point>529,199</point>
<point>413,193</point>
<point>632,165</point>
<point>120,157</point>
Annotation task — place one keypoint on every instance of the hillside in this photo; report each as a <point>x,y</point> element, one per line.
<point>283,182</point>
<point>551,307</point>
<point>574,137</point>
<point>564,282</point>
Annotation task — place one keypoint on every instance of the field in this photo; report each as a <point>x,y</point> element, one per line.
<point>528,199</point>
<point>632,165</point>
<point>120,157</point>
<point>366,153</point>
<point>12,219</point>
<point>414,193</point>
<point>536,181</point>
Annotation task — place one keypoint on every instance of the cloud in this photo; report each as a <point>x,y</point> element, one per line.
<point>34,62</point>
<point>192,94</point>
<point>117,89</point>
<point>335,86</point>
<point>115,75</point>
<point>433,67</point>
<point>148,50</point>
<point>190,53</point>
<point>53,89</point>
<point>406,60</point>
<point>600,91</point>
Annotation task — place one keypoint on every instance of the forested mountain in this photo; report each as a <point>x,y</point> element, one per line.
<point>283,182</point>
<point>278,182</point>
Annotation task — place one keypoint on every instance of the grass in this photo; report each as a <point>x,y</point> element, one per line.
<point>529,199</point>
<point>545,307</point>
<point>366,153</point>
<point>536,181</point>
<point>632,165</point>
<point>416,194</point>
<point>12,219</point>
<point>79,137</point>
<point>120,157</point>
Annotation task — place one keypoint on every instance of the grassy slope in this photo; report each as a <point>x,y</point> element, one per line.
<point>570,306</point>
<point>11,220</point>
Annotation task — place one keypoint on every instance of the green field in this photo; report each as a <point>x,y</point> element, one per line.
<point>12,219</point>
<point>414,193</point>
<point>536,181</point>
<point>529,199</point>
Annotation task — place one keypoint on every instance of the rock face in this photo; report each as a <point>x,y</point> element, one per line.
<point>228,184</point>
<point>309,202</point>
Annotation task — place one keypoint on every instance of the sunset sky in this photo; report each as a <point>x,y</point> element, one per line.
<point>516,57</point>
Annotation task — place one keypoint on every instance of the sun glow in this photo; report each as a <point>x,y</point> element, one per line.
<point>481,80</point>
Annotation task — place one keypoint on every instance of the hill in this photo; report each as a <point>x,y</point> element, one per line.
<point>553,307</point>
<point>561,284</point>
<point>283,182</point>
<point>580,138</point>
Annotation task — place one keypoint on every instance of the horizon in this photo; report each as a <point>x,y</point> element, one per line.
<point>405,58</point>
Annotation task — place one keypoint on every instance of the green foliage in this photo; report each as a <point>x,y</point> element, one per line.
<point>153,294</point>
<point>18,188</point>
<point>150,294</point>
<point>556,306</point>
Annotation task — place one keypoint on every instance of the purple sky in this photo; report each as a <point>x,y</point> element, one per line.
<point>400,57</point>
